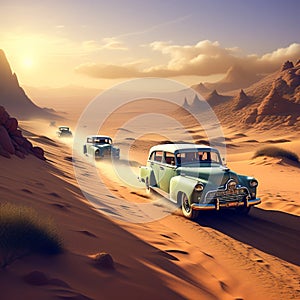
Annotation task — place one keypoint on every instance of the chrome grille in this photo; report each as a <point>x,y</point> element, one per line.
<point>224,196</point>
<point>107,151</point>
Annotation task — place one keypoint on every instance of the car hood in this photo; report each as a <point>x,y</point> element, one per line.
<point>215,176</point>
<point>103,146</point>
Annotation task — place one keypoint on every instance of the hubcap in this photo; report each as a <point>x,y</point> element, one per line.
<point>186,204</point>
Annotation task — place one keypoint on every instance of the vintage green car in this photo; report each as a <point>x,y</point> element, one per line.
<point>100,146</point>
<point>64,131</point>
<point>194,177</point>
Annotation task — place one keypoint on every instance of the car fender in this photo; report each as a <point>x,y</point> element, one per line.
<point>92,150</point>
<point>146,173</point>
<point>182,184</point>
<point>245,181</point>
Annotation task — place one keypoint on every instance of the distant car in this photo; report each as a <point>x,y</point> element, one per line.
<point>100,146</point>
<point>64,131</point>
<point>194,177</point>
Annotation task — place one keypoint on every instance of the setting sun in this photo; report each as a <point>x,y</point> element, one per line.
<point>27,62</point>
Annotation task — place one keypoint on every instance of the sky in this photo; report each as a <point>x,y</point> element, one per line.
<point>100,43</point>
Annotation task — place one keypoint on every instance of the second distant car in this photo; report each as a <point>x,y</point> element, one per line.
<point>100,146</point>
<point>64,131</point>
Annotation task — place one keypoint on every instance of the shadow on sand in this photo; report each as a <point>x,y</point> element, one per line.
<point>273,232</point>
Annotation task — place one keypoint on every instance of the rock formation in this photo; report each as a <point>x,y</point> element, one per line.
<point>214,98</point>
<point>13,97</point>
<point>282,98</point>
<point>275,104</point>
<point>201,88</point>
<point>251,118</point>
<point>287,65</point>
<point>12,141</point>
<point>241,100</point>
<point>186,104</point>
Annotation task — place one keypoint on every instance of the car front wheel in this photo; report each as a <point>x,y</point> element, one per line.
<point>187,210</point>
<point>148,189</point>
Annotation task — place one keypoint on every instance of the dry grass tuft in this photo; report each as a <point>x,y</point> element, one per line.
<point>277,152</point>
<point>23,232</point>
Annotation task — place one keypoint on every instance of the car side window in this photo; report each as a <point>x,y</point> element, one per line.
<point>215,157</point>
<point>204,156</point>
<point>179,157</point>
<point>89,140</point>
<point>169,158</point>
<point>152,156</point>
<point>158,156</point>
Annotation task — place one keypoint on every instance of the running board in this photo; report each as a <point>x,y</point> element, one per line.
<point>162,193</point>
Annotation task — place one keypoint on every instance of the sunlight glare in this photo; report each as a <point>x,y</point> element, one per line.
<point>28,62</point>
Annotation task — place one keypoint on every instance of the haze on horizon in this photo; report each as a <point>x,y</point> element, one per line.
<point>97,44</point>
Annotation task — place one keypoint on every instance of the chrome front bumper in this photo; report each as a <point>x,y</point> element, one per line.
<point>217,205</point>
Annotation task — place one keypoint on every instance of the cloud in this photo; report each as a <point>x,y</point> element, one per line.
<point>111,43</point>
<point>277,57</point>
<point>109,71</point>
<point>202,59</point>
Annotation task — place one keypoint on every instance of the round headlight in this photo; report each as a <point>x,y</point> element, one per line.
<point>231,184</point>
<point>253,183</point>
<point>198,187</point>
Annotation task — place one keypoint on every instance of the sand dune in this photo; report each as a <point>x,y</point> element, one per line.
<point>171,258</point>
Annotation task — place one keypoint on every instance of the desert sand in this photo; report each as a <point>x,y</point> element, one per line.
<point>221,256</point>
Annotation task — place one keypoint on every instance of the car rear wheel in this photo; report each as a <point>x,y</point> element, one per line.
<point>187,210</point>
<point>148,189</point>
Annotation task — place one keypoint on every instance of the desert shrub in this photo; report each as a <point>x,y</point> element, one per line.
<point>23,232</point>
<point>272,151</point>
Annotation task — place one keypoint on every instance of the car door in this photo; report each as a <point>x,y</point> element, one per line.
<point>155,163</point>
<point>167,170</point>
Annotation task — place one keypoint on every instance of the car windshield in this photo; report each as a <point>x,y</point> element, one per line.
<point>101,140</point>
<point>198,158</point>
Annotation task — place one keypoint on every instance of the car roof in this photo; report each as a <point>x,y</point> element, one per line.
<point>177,147</point>
<point>99,136</point>
<point>63,127</point>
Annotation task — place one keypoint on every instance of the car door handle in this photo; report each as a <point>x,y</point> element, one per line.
<point>162,168</point>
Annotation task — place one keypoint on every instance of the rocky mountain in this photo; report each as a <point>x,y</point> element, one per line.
<point>196,104</point>
<point>214,98</point>
<point>241,100</point>
<point>186,104</point>
<point>283,97</point>
<point>201,89</point>
<point>273,101</point>
<point>13,97</point>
